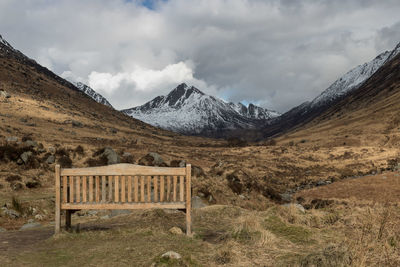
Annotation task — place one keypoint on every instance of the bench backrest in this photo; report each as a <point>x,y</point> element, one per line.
<point>123,184</point>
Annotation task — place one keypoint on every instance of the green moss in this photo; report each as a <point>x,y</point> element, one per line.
<point>295,234</point>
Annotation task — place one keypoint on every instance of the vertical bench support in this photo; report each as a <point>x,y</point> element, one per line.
<point>58,200</point>
<point>188,200</point>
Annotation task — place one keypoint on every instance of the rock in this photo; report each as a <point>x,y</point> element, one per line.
<point>2,230</point>
<point>4,94</point>
<point>105,217</point>
<point>152,159</point>
<point>12,139</point>
<point>286,197</point>
<point>319,183</point>
<point>126,154</point>
<point>177,163</point>
<point>30,226</point>
<point>52,150</point>
<point>197,203</point>
<point>39,217</point>
<point>26,156</point>
<point>30,143</point>
<point>171,255</point>
<point>197,171</point>
<point>13,214</point>
<point>175,231</point>
<point>111,155</point>
<point>298,206</point>
<point>119,212</point>
<point>92,212</point>
<point>51,159</point>
<point>16,186</point>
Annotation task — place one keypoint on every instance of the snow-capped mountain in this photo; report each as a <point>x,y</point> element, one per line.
<point>339,90</point>
<point>188,110</point>
<point>354,78</point>
<point>93,94</point>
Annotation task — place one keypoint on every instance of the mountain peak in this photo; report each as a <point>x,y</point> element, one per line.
<point>92,94</point>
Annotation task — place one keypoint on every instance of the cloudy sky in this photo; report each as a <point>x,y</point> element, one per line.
<point>276,53</point>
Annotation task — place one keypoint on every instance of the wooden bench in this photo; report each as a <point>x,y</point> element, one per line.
<point>122,186</point>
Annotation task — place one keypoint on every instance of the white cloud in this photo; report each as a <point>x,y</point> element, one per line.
<point>278,53</point>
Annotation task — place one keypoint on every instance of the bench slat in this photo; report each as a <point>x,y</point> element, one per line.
<point>90,188</point>
<point>123,188</point>
<point>97,188</point>
<point>78,189</point>
<point>181,192</point>
<point>174,189</point>
<point>142,189</point>
<point>116,186</point>
<point>136,189</point>
<point>129,188</point>
<point>162,189</point>
<point>65,189</point>
<point>71,189</point>
<point>148,188</point>
<point>110,188</point>
<point>123,169</point>
<point>84,191</point>
<point>155,184</point>
<point>103,188</point>
<point>168,188</point>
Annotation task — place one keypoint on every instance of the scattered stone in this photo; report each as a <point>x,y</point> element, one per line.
<point>113,130</point>
<point>26,156</point>
<point>13,214</point>
<point>286,197</point>
<point>105,217</point>
<point>111,155</point>
<point>51,159</point>
<point>2,230</point>
<point>92,212</point>
<point>30,226</point>
<point>177,163</point>
<point>119,212</point>
<point>297,206</point>
<point>175,231</point>
<point>52,150</point>
<point>23,120</point>
<point>320,183</point>
<point>12,139</point>
<point>198,203</point>
<point>4,94</point>
<point>152,159</point>
<point>39,217</point>
<point>197,171</point>
<point>171,255</point>
<point>126,154</point>
<point>30,143</point>
<point>16,186</point>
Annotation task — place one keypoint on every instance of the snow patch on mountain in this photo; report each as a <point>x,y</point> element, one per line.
<point>188,110</point>
<point>354,78</point>
<point>92,94</point>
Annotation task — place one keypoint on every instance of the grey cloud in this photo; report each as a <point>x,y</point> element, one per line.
<point>275,53</point>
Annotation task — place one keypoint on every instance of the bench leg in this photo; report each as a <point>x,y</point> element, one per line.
<point>188,222</point>
<point>68,214</point>
<point>57,221</point>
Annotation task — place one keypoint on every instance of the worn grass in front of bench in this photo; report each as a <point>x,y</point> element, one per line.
<point>122,186</point>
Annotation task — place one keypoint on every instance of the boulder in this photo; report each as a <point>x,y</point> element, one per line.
<point>51,159</point>
<point>4,94</point>
<point>30,143</point>
<point>152,159</point>
<point>297,206</point>
<point>30,225</point>
<point>197,203</point>
<point>171,255</point>
<point>13,214</point>
<point>111,155</point>
<point>175,231</point>
<point>26,156</point>
<point>12,139</point>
